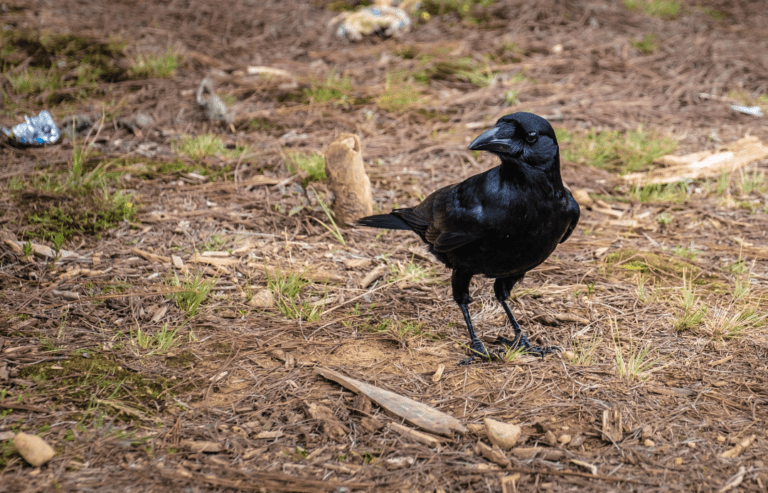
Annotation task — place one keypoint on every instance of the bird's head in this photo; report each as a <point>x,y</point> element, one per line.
<point>521,137</point>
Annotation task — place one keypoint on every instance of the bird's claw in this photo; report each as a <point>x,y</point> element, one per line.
<point>523,343</point>
<point>478,350</point>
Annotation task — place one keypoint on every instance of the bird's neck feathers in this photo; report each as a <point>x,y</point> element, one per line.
<point>518,173</point>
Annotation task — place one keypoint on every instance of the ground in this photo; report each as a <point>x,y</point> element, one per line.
<point>167,339</point>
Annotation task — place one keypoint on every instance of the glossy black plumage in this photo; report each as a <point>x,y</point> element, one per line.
<point>500,223</point>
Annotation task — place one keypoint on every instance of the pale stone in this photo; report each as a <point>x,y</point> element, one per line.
<point>34,449</point>
<point>505,435</point>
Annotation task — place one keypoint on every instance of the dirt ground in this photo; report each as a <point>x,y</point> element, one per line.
<point>659,298</point>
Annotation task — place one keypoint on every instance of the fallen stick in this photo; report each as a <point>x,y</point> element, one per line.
<point>416,413</point>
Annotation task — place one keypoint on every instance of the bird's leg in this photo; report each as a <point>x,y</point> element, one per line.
<point>460,287</point>
<point>501,289</point>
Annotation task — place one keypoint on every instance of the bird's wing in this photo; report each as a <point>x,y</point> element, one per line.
<point>453,218</point>
<point>574,212</point>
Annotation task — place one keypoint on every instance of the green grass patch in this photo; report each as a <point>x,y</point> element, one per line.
<point>195,291</point>
<point>623,152</point>
<point>677,192</point>
<point>311,163</point>
<point>286,289</point>
<point>469,10</point>
<point>633,261</point>
<point>400,94</point>
<point>91,380</point>
<point>149,66</point>
<point>463,68</point>
<point>160,342</point>
<point>334,88</point>
<point>347,5</point>
<point>647,45</point>
<point>663,9</point>
<point>64,67</point>
<point>206,145</point>
<point>60,206</point>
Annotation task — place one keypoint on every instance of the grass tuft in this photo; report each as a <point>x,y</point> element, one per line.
<point>333,89</point>
<point>58,207</point>
<point>154,66</point>
<point>400,94</point>
<point>286,289</point>
<point>632,365</point>
<point>312,163</point>
<point>624,152</point>
<point>195,291</point>
<point>648,45</point>
<point>663,9</point>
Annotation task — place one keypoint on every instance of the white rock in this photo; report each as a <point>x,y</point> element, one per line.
<point>505,435</point>
<point>262,299</point>
<point>34,449</point>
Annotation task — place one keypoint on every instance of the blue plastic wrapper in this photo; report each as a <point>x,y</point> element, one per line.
<point>36,131</point>
<point>749,110</point>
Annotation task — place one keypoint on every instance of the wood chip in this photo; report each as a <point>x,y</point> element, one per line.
<point>734,480</point>
<point>331,425</point>
<point>268,434</point>
<point>215,261</point>
<point>201,446</point>
<point>509,483</point>
<point>428,440</point>
<point>372,276</point>
<point>66,295</point>
<point>438,373</point>
<point>371,424</point>
<point>721,361</point>
<point>346,468</point>
<point>612,431</point>
<point>739,448</point>
<point>586,465</point>
<point>493,454</point>
<point>151,257</point>
<point>415,413</point>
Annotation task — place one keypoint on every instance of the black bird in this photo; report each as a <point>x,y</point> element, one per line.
<point>500,223</point>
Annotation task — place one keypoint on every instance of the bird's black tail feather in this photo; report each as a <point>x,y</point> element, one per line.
<point>383,221</point>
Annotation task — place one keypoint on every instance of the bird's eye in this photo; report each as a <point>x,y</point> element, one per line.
<point>531,137</point>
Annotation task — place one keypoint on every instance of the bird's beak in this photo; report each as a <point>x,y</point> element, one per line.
<point>487,141</point>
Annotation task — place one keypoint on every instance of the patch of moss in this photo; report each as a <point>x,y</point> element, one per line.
<point>84,381</point>
<point>64,66</point>
<point>183,360</point>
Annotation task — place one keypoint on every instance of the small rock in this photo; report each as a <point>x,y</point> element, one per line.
<point>262,299</point>
<point>504,435</point>
<point>647,431</point>
<point>649,443</point>
<point>558,48</point>
<point>568,355</point>
<point>691,445</point>
<point>371,424</point>
<point>550,439</point>
<point>34,449</point>
<point>578,441</point>
<point>564,439</point>
<point>399,462</point>
<point>6,435</point>
<point>721,438</point>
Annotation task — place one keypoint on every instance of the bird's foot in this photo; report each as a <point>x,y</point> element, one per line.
<point>478,350</point>
<point>523,343</point>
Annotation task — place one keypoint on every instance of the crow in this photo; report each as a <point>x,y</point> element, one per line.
<point>500,223</point>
